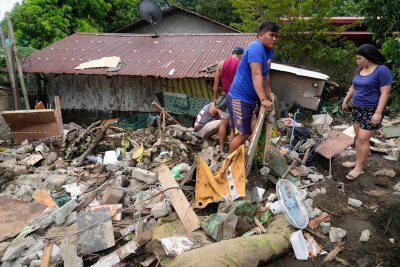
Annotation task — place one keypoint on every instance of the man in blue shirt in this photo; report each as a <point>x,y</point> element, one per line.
<point>251,83</point>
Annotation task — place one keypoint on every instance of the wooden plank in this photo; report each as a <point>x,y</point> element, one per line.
<point>57,110</point>
<point>254,140</point>
<point>19,65</point>
<point>157,107</point>
<point>46,255</point>
<point>181,205</point>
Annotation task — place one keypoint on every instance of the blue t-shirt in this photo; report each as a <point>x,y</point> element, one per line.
<point>367,88</point>
<point>242,87</point>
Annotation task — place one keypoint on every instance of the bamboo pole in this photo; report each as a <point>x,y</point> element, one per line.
<point>10,69</point>
<point>19,66</point>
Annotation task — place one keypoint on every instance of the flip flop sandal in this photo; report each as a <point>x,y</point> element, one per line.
<point>349,164</point>
<point>352,177</point>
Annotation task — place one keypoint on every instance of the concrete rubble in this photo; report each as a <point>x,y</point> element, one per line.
<point>108,214</point>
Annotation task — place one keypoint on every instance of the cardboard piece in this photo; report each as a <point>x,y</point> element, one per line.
<point>43,197</point>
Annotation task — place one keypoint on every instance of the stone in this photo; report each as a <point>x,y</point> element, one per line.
<point>144,176</point>
<point>113,167</point>
<point>354,202</point>
<point>3,248</point>
<point>112,195</point>
<point>264,171</point>
<point>17,247</point>
<point>325,227</point>
<point>55,181</point>
<point>220,226</point>
<point>336,234</point>
<point>159,210</point>
<point>9,163</point>
<point>50,158</point>
<point>315,177</point>
<point>35,263</point>
<point>365,235</point>
<point>55,254</point>
<point>386,172</point>
<point>137,186</point>
<point>391,240</point>
<point>68,254</point>
<point>20,170</point>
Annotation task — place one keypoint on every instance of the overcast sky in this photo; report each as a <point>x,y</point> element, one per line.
<point>6,5</point>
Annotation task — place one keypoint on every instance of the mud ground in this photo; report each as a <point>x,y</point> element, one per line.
<point>381,215</point>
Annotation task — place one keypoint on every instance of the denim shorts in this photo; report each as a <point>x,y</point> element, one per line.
<point>363,115</point>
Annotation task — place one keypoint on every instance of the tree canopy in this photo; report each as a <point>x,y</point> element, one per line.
<point>38,23</point>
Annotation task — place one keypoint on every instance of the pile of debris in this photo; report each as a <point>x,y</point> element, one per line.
<point>104,196</point>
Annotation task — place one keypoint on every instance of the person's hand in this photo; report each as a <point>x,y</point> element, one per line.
<point>345,106</point>
<point>376,119</point>
<point>269,106</point>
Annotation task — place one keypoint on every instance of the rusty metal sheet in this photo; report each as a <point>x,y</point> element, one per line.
<point>141,55</point>
<point>15,214</point>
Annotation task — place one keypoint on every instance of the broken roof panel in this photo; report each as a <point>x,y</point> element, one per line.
<point>182,55</point>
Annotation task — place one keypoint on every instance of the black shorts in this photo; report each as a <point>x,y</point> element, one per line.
<point>363,115</point>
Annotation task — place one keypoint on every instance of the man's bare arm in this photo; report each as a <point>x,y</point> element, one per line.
<point>217,79</point>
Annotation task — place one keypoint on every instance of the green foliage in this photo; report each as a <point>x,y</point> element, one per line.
<point>218,10</point>
<point>310,41</point>
<point>345,8</point>
<point>382,17</point>
<point>122,13</point>
<point>186,4</point>
<point>38,23</point>
<point>391,49</point>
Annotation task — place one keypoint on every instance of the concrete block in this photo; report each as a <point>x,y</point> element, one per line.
<point>112,195</point>
<point>337,234</point>
<point>17,247</point>
<point>144,176</point>
<point>159,210</point>
<point>3,248</point>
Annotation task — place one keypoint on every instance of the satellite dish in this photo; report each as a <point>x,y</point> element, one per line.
<point>151,12</point>
<point>290,202</point>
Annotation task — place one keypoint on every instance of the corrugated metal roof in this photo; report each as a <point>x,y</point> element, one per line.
<point>145,55</point>
<point>299,71</point>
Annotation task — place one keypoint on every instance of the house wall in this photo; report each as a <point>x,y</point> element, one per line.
<point>182,23</point>
<point>101,93</point>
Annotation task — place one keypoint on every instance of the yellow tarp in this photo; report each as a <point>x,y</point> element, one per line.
<point>214,187</point>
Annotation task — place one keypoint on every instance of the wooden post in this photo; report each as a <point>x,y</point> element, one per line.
<point>19,66</point>
<point>268,132</point>
<point>254,140</point>
<point>57,109</point>
<point>11,69</point>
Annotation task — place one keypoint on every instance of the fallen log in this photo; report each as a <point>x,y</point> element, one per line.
<point>243,251</point>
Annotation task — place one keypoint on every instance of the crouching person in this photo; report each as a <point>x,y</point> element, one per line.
<point>208,121</point>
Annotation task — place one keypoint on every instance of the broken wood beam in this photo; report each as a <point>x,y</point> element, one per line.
<point>159,108</point>
<point>181,205</point>
<point>46,255</point>
<point>254,140</point>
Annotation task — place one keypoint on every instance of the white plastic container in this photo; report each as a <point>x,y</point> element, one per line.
<point>110,157</point>
<point>299,245</point>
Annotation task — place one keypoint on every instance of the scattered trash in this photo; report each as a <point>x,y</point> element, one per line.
<point>365,235</point>
<point>299,245</point>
